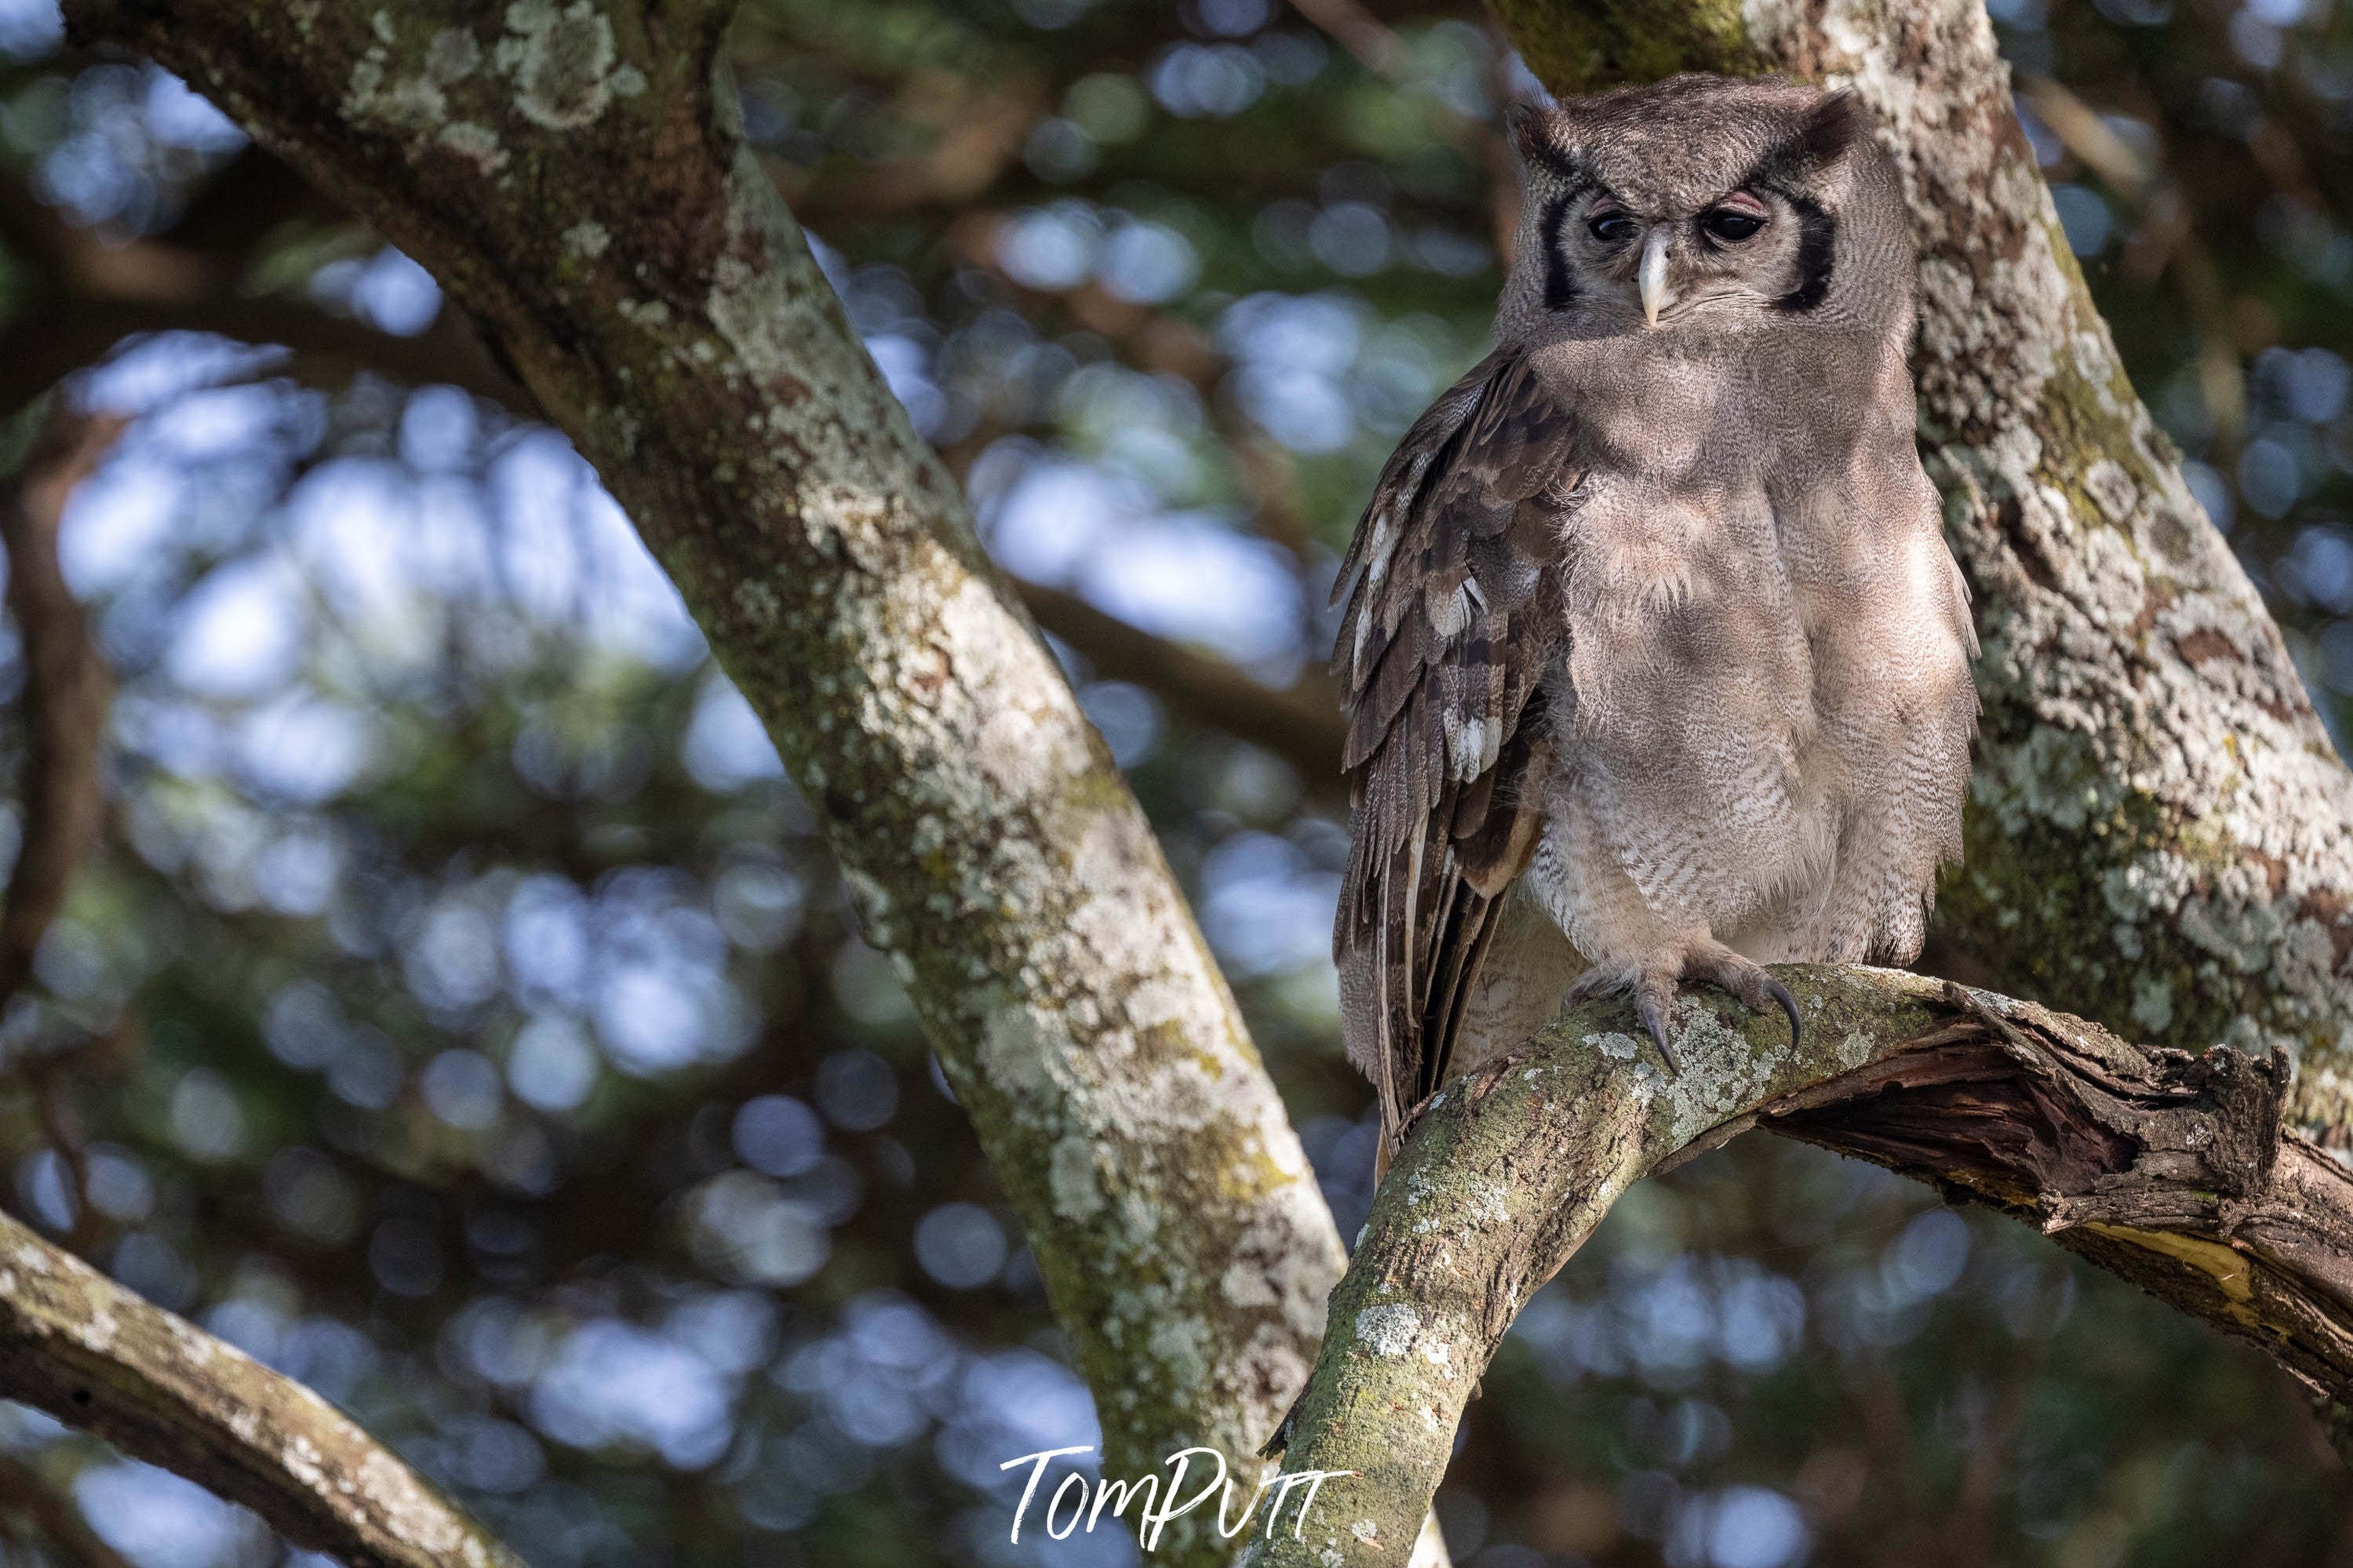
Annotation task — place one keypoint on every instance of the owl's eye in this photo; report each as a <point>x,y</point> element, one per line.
<point>1611,227</point>
<point>1731,224</point>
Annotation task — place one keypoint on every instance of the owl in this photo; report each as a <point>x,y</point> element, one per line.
<point>1655,661</point>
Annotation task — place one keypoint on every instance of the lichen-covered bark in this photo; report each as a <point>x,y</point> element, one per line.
<point>89,1352</point>
<point>2160,834</point>
<point>572,173</point>
<point>2167,1168</point>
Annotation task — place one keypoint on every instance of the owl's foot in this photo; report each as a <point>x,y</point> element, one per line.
<point>1719,965</point>
<point>1652,984</point>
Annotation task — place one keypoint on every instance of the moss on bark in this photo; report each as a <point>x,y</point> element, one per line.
<point>1586,46</point>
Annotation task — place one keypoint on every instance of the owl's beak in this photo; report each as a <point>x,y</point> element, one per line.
<point>1656,295</point>
<point>1653,275</point>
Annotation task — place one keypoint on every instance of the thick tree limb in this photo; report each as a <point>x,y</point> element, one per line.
<point>2160,834</point>
<point>2170,1169</point>
<point>77,1345</point>
<point>574,177</point>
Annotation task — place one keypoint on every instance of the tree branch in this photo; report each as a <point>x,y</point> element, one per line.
<point>73,1343</point>
<point>2169,1169</point>
<point>77,260</point>
<point>1301,725</point>
<point>65,700</point>
<point>66,687</point>
<point>2158,830</point>
<point>42,347</point>
<point>242,201</point>
<point>55,336</point>
<point>92,1354</point>
<point>598,213</point>
<point>2166,240</point>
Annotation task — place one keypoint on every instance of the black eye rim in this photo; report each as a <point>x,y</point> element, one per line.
<point>1731,224</point>
<point>1610,227</point>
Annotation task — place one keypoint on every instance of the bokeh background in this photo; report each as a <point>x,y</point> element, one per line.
<point>461,1015</point>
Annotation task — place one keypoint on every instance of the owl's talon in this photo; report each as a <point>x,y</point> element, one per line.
<point>1719,965</point>
<point>1659,1037</point>
<point>1653,986</point>
<point>1788,1004</point>
<point>1654,997</point>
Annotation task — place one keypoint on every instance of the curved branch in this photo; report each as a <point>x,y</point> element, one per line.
<point>94,1355</point>
<point>2167,1168</point>
<point>599,214</point>
<point>58,335</point>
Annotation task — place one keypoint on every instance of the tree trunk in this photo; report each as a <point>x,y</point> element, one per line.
<point>575,177</point>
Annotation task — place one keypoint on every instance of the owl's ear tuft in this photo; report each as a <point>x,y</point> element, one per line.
<point>1535,134</point>
<point>1832,128</point>
<point>1525,123</point>
<point>1824,135</point>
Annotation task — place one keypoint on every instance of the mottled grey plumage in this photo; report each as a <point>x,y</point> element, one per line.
<point>1656,664</point>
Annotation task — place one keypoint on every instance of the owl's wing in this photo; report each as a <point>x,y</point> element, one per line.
<point>1439,654</point>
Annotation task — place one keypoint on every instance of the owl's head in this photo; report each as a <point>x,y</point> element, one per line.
<point>1710,204</point>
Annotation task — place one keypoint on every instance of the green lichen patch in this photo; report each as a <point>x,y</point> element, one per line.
<point>1583,48</point>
